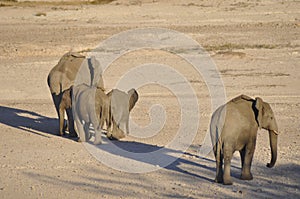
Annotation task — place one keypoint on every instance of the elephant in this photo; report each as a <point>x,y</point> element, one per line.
<point>65,105</point>
<point>121,103</point>
<point>91,106</point>
<point>72,66</point>
<point>233,127</point>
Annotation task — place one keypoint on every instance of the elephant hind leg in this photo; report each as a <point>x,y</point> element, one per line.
<point>242,155</point>
<point>72,131</point>
<point>227,164</point>
<point>87,135</point>
<point>219,163</point>
<point>61,118</point>
<point>219,172</point>
<point>98,138</point>
<point>246,165</point>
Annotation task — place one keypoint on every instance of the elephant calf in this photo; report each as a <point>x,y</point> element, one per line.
<point>66,105</point>
<point>121,103</point>
<point>233,127</point>
<point>91,106</point>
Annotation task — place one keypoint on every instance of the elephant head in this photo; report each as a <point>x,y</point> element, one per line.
<point>266,120</point>
<point>121,103</point>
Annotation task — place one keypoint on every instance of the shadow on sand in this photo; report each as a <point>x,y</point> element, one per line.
<point>143,153</point>
<point>28,121</point>
<point>37,124</point>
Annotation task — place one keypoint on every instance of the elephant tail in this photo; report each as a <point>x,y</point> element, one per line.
<point>215,141</point>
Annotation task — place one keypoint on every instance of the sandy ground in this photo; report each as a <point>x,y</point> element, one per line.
<point>256,48</point>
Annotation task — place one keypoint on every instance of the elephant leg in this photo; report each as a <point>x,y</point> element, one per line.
<point>86,127</point>
<point>227,163</point>
<point>72,131</point>
<point>246,166</point>
<point>98,139</point>
<point>127,126</point>
<point>242,155</point>
<point>57,100</point>
<point>219,164</point>
<point>80,129</point>
<point>61,118</point>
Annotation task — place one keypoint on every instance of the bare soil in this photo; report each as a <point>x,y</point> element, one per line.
<point>254,44</point>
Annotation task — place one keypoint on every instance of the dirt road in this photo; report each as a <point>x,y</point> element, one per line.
<point>254,44</point>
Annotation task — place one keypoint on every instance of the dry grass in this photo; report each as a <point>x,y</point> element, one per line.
<point>49,3</point>
<point>231,46</point>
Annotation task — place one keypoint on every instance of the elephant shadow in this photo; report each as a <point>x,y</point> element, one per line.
<point>135,151</point>
<point>28,121</point>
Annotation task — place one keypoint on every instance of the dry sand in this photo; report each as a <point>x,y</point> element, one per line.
<point>255,45</point>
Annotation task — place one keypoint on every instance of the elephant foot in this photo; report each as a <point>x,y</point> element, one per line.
<point>247,177</point>
<point>98,139</point>
<point>97,142</point>
<point>227,181</point>
<point>80,140</point>
<point>218,180</point>
<point>72,135</point>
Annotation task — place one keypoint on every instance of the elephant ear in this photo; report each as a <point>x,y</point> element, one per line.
<point>259,107</point>
<point>95,72</point>
<point>133,98</point>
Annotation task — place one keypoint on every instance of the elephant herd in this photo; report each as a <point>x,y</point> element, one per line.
<point>77,88</point>
<point>233,126</point>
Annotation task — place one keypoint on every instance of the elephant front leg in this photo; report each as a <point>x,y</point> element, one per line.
<point>247,153</point>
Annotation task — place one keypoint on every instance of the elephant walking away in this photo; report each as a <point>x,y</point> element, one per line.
<point>121,103</point>
<point>62,76</point>
<point>91,106</point>
<point>234,127</point>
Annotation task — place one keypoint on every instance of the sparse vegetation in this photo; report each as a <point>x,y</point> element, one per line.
<point>39,14</point>
<point>49,3</point>
<point>231,46</point>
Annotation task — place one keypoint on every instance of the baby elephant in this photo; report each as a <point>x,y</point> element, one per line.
<point>234,127</point>
<point>66,105</point>
<point>121,103</point>
<point>91,106</point>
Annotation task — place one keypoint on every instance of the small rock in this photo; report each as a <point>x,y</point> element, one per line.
<point>259,191</point>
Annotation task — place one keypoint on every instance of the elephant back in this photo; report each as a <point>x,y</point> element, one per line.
<point>62,76</point>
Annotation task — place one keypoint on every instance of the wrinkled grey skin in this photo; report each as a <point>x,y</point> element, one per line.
<point>91,106</point>
<point>63,75</point>
<point>121,103</point>
<point>234,127</point>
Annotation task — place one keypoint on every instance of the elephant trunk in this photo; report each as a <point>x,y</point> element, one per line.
<point>273,135</point>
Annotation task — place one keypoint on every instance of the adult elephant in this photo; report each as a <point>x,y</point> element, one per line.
<point>121,103</point>
<point>62,76</point>
<point>234,127</point>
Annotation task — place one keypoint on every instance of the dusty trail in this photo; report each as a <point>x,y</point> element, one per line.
<point>255,46</point>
